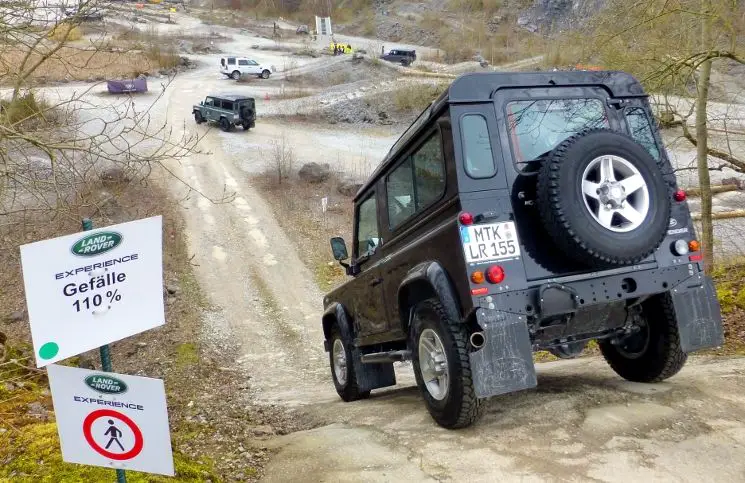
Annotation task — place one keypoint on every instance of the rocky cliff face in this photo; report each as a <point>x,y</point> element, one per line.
<point>557,15</point>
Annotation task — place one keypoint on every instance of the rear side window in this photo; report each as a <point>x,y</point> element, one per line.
<point>417,182</point>
<point>242,62</point>
<point>400,188</point>
<point>227,105</point>
<point>368,237</point>
<point>536,127</point>
<point>231,61</point>
<point>477,154</point>
<point>641,130</point>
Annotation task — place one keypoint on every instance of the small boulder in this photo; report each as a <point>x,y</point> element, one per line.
<point>85,362</point>
<point>173,289</point>
<point>348,188</point>
<point>17,316</point>
<point>314,172</point>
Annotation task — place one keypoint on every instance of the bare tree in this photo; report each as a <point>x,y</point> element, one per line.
<point>57,145</point>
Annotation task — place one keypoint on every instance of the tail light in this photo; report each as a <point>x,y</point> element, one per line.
<point>495,274</point>
<point>694,246</point>
<point>465,218</point>
<point>680,195</point>
<point>480,291</point>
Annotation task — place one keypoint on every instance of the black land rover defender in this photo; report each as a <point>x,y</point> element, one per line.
<point>519,212</point>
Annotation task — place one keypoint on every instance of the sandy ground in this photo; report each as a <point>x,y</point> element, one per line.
<point>582,423</point>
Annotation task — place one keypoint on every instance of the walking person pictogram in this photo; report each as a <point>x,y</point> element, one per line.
<point>115,434</point>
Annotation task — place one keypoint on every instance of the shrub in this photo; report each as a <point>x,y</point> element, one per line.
<point>65,32</point>
<point>22,108</point>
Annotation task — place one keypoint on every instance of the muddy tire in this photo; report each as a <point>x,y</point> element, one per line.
<point>198,117</point>
<point>603,199</point>
<point>265,74</point>
<point>246,126</point>
<point>451,401</point>
<point>653,354</point>
<point>342,368</point>
<point>235,75</point>
<point>225,124</point>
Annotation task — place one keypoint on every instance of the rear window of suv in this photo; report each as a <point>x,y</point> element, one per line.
<point>537,126</point>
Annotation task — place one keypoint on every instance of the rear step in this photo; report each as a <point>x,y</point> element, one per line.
<point>382,357</point>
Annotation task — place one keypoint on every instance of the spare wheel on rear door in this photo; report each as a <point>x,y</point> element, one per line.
<point>603,199</point>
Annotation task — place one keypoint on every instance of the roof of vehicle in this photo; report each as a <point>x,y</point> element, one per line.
<point>481,87</point>
<point>231,97</point>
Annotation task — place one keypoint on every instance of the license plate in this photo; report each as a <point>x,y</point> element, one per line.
<point>489,242</point>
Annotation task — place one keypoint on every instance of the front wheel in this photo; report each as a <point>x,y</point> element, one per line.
<point>265,74</point>
<point>652,354</point>
<point>442,366</point>
<point>342,369</point>
<point>198,117</point>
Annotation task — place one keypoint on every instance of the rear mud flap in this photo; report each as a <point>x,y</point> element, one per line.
<point>505,363</point>
<point>699,317</point>
<point>372,376</point>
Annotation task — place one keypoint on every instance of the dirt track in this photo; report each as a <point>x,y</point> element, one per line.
<point>582,423</point>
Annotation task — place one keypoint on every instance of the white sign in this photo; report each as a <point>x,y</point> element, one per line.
<point>323,26</point>
<point>92,288</point>
<point>111,420</point>
<point>324,203</point>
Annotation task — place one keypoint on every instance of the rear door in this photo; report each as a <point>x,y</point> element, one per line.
<point>531,123</point>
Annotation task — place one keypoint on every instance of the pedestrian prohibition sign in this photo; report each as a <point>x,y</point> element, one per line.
<point>111,420</point>
<point>112,434</point>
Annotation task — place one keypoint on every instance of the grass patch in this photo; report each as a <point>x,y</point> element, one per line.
<point>187,354</point>
<point>416,97</point>
<point>65,32</point>
<point>25,108</point>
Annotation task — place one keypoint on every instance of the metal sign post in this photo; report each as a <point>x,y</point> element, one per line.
<point>121,477</point>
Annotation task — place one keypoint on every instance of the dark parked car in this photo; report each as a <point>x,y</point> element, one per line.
<point>227,110</point>
<point>400,56</point>
<point>519,212</point>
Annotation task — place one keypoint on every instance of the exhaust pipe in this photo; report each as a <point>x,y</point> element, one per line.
<point>477,340</point>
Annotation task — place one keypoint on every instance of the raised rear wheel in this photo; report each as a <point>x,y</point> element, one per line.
<point>235,75</point>
<point>225,124</point>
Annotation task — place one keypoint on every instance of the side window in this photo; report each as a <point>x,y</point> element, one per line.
<point>416,183</point>
<point>242,62</point>
<point>477,154</point>
<point>231,60</point>
<point>368,236</point>
<point>209,102</point>
<point>429,172</point>
<point>641,130</point>
<point>400,188</point>
<point>227,105</point>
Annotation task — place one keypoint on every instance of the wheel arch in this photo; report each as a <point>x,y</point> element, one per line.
<point>336,314</point>
<point>427,280</point>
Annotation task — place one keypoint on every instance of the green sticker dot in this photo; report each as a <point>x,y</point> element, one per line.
<point>48,350</point>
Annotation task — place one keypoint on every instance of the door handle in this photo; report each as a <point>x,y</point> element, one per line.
<point>376,281</point>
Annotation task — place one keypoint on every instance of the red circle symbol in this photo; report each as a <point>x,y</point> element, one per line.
<point>101,413</point>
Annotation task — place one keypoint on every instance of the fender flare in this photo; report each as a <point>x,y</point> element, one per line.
<point>336,314</point>
<point>426,280</point>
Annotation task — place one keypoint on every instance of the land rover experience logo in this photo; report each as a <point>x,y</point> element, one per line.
<point>106,384</point>
<point>96,244</point>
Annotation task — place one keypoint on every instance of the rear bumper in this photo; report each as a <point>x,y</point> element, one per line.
<point>505,362</point>
<point>570,294</point>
